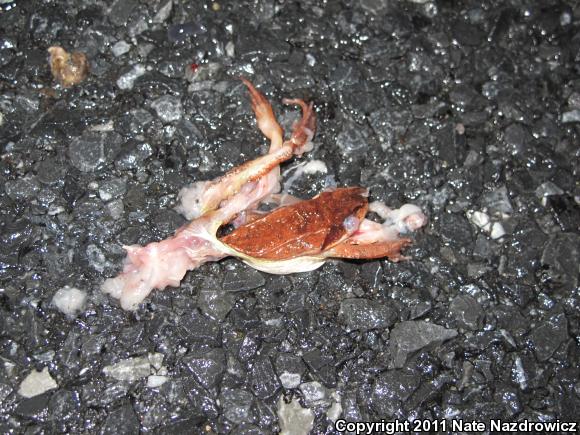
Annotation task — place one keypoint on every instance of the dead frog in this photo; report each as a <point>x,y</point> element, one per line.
<point>302,236</point>
<point>295,237</point>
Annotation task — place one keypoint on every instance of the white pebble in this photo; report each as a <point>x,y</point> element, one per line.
<point>127,80</point>
<point>294,420</point>
<point>130,369</point>
<point>290,380</point>
<point>163,13</point>
<point>37,383</point>
<point>116,208</point>
<point>133,369</point>
<point>69,300</point>
<point>154,381</point>
<point>497,231</point>
<point>335,409</point>
<point>230,49</point>
<point>484,222</point>
<point>120,48</point>
<point>479,219</point>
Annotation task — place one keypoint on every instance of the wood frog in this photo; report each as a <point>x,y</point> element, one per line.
<point>294,237</point>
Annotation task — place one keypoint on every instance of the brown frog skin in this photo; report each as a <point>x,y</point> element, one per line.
<point>303,235</point>
<point>306,228</point>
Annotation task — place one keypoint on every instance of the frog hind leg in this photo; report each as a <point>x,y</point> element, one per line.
<point>389,249</point>
<point>265,117</point>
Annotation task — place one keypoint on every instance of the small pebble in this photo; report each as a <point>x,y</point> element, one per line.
<point>294,419</point>
<point>168,108</point>
<point>69,300</point>
<point>120,48</point>
<point>132,369</point>
<point>37,383</point>
<point>22,188</point>
<point>155,381</point>
<point>127,80</point>
<point>571,116</point>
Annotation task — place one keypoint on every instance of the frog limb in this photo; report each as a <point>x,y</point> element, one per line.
<point>165,263</point>
<point>376,240</point>
<point>258,169</point>
<point>201,197</point>
<point>399,221</point>
<point>390,249</point>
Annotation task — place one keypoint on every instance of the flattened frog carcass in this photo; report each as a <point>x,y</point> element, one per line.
<point>302,236</point>
<point>293,238</point>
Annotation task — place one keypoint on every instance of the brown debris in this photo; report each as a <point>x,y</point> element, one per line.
<point>69,69</point>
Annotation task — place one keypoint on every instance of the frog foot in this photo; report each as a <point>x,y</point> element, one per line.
<point>303,130</point>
